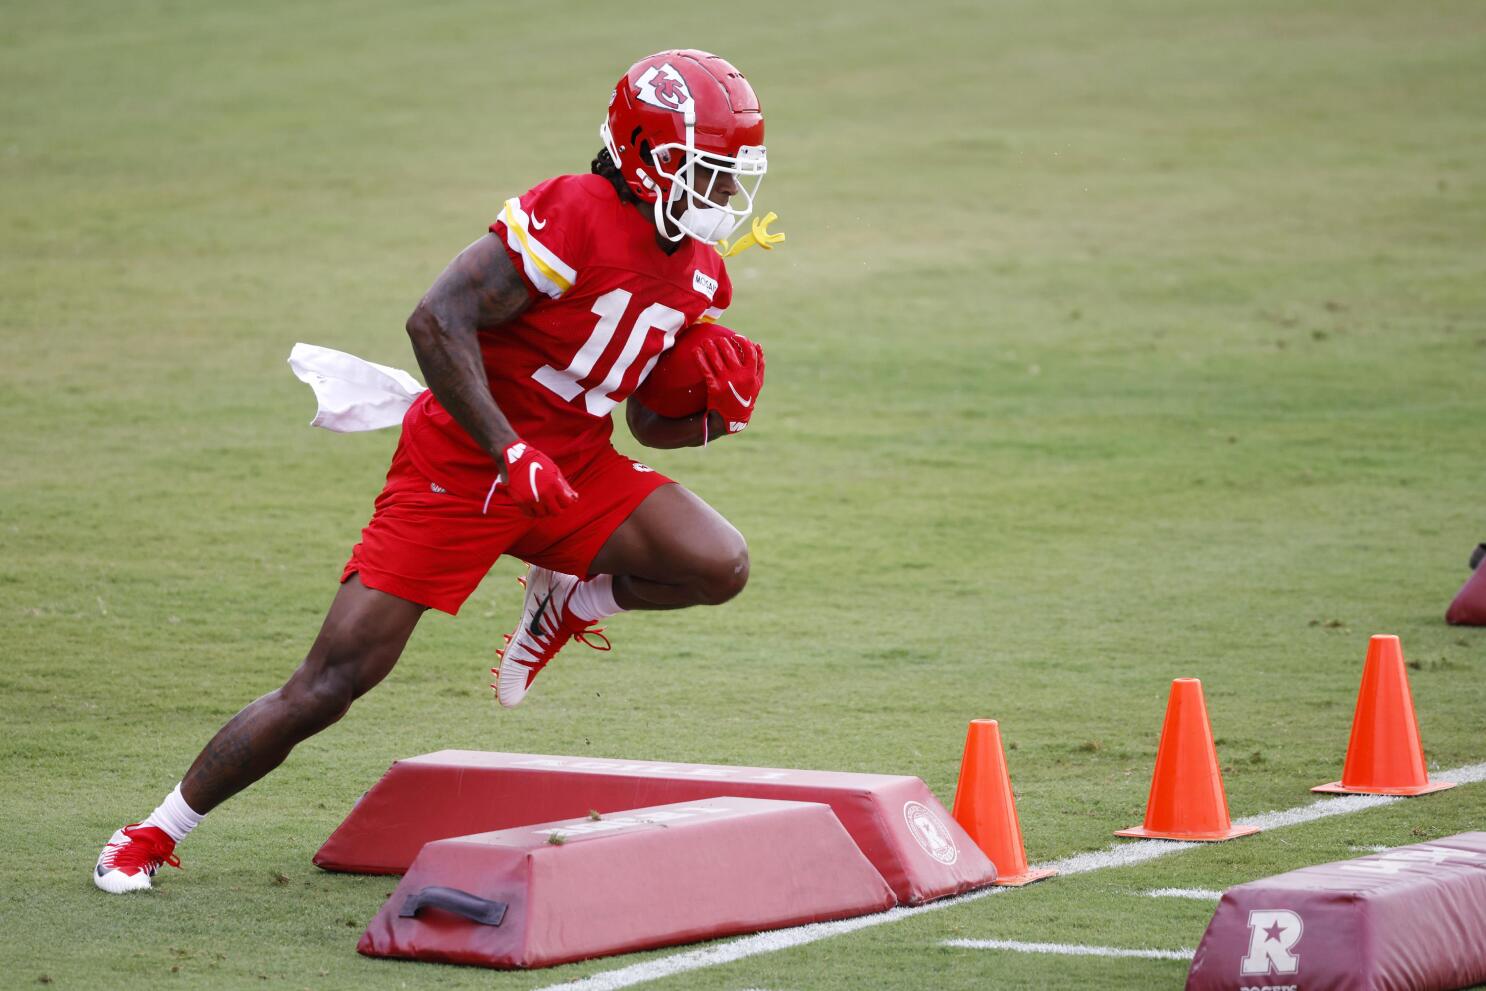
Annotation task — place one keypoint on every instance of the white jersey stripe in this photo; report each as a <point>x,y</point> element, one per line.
<point>546,271</point>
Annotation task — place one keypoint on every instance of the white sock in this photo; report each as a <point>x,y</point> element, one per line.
<point>174,816</point>
<point>593,600</point>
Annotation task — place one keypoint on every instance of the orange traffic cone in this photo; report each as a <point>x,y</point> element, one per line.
<point>1384,756</point>
<point>986,808</point>
<point>1187,800</point>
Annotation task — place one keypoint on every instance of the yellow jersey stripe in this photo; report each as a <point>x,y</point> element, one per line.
<point>554,271</point>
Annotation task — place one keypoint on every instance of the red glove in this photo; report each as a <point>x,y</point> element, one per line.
<point>535,483</point>
<point>733,369</point>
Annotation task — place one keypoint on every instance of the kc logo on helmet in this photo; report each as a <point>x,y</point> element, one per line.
<point>1273,934</point>
<point>663,86</point>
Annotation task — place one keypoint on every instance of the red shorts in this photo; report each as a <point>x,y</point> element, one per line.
<point>433,546</point>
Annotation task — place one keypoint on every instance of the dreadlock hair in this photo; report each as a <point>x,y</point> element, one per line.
<point>603,165</point>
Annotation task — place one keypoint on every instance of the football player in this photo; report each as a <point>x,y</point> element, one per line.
<point>528,341</point>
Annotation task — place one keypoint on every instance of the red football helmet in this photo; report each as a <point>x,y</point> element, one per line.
<point>678,110</point>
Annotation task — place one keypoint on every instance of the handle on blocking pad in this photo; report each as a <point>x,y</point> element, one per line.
<point>472,907</point>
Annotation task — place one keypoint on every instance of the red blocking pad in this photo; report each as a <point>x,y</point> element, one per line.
<point>1468,608</point>
<point>563,891</point>
<point>1410,917</point>
<point>895,820</point>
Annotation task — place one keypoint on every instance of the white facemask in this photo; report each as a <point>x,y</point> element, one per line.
<point>709,224</point>
<point>701,219</point>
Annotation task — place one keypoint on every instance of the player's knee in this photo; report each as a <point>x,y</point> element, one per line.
<point>726,574</point>
<point>317,699</point>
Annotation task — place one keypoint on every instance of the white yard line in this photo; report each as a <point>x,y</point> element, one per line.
<point>1119,855</point>
<point>1201,894</point>
<point>1066,949</point>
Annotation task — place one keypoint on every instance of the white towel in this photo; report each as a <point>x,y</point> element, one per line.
<point>353,394</point>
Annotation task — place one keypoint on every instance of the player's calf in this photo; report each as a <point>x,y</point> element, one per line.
<point>360,641</point>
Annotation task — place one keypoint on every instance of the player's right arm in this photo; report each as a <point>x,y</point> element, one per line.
<point>481,288</point>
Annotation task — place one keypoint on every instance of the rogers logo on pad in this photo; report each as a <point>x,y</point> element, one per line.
<point>930,833</point>
<point>1273,934</point>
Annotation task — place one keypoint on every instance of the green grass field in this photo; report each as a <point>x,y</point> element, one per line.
<point>1112,343</point>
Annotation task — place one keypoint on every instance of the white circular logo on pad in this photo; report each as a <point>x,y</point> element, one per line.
<point>930,833</point>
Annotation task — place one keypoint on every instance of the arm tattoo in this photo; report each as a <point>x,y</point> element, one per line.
<point>479,289</point>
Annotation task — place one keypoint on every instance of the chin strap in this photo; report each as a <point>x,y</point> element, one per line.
<point>758,236</point>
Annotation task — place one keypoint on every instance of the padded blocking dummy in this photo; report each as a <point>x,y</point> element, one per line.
<point>1410,917</point>
<point>895,820</point>
<point>1468,608</point>
<point>564,891</point>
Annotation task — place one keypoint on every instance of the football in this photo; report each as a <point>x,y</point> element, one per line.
<point>674,387</point>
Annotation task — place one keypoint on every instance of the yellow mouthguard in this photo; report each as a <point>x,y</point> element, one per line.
<point>758,236</point>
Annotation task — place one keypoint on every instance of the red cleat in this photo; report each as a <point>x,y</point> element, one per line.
<point>132,857</point>
<point>546,625</point>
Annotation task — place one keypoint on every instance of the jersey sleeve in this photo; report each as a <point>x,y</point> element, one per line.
<point>545,234</point>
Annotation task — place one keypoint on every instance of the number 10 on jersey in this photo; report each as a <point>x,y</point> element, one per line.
<point>611,308</point>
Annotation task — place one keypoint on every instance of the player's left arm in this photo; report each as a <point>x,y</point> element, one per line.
<point>667,433</point>
<point>732,370</point>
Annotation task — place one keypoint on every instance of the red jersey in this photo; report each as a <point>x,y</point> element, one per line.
<point>609,302</point>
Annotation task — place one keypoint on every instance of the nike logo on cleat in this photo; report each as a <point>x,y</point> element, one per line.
<point>535,629</point>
